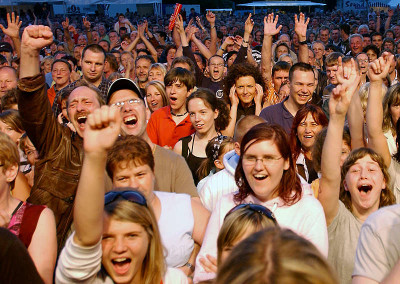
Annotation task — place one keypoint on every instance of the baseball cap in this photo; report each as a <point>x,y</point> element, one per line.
<point>123,84</point>
<point>5,46</point>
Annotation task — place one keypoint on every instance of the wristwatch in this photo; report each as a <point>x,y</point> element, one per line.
<point>191,267</point>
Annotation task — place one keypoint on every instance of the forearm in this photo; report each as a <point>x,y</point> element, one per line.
<point>203,49</point>
<point>150,47</point>
<point>266,56</point>
<point>133,44</point>
<point>176,37</point>
<point>17,46</point>
<point>68,38</point>
<point>374,113</point>
<point>387,23</point>
<point>355,118</point>
<point>88,209</point>
<point>213,37</point>
<point>303,49</point>
<point>230,129</point>
<point>378,24</point>
<point>89,36</point>
<point>29,66</point>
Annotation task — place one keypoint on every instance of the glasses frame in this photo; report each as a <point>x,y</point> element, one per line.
<point>256,208</point>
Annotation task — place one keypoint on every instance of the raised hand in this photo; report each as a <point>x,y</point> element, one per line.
<point>249,24</point>
<point>209,263</point>
<point>65,24</point>
<point>259,94</point>
<point>192,32</point>
<point>198,21</point>
<point>233,96</point>
<point>229,40</point>
<point>210,16</point>
<point>348,78</point>
<point>270,23</point>
<point>102,129</point>
<point>35,38</point>
<point>390,13</point>
<point>86,24</point>
<point>238,40</point>
<point>141,29</point>
<point>379,68</point>
<point>13,26</point>
<point>300,25</point>
<point>179,24</point>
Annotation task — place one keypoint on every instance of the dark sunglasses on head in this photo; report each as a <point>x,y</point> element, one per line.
<point>129,195</point>
<point>256,208</point>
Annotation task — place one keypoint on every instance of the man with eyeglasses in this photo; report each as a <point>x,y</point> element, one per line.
<point>171,171</point>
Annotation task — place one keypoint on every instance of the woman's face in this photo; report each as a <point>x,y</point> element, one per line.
<point>154,98</point>
<point>47,66</point>
<point>307,131</point>
<point>395,113</point>
<point>6,129</point>
<point>311,37</point>
<point>201,116</point>
<point>156,74</point>
<point>246,90</point>
<point>140,177</point>
<point>365,181</point>
<point>345,152</point>
<point>281,50</point>
<point>171,55</point>
<point>124,247</point>
<point>263,166</point>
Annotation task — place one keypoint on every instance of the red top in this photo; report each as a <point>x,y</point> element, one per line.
<point>162,129</point>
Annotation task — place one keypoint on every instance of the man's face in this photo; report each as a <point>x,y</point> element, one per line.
<point>319,50</point>
<point>60,74</point>
<point>377,41</point>
<point>78,52</point>
<point>331,73</point>
<point>118,57</point>
<point>216,67</point>
<point>177,93</point>
<point>356,45</point>
<point>121,19</point>
<point>388,45</point>
<point>113,36</point>
<point>81,102</point>
<point>324,35</point>
<point>371,25</point>
<point>302,87</point>
<point>133,112</point>
<point>311,58</point>
<point>363,31</point>
<point>366,41</point>
<point>82,40</point>
<point>8,80</point>
<point>224,30</point>
<point>279,77</point>
<point>102,30</point>
<point>363,62</point>
<point>295,40</point>
<point>335,35</point>
<point>285,38</point>
<point>104,45</point>
<point>142,70</point>
<point>95,37</point>
<point>396,30</point>
<point>92,66</point>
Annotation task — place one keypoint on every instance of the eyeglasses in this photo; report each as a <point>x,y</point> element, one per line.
<point>130,102</point>
<point>217,65</point>
<point>129,195</point>
<point>266,161</point>
<point>256,208</point>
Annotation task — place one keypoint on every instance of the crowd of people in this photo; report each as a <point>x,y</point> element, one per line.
<point>254,149</point>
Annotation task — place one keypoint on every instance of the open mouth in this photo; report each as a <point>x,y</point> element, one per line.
<point>121,265</point>
<point>365,188</point>
<point>260,177</point>
<point>308,136</point>
<point>132,120</point>
<point>81,119</point>
<point>173,99</point>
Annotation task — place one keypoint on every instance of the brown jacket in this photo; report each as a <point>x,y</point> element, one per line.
<point>60,154</point>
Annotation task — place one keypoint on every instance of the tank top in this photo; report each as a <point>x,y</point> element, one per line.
<point>192,161</point>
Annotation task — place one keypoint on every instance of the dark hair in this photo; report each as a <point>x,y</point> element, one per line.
<point>63,61</point>
<point>372,47</point>
<point>318,116</point>
<point>182,75</point>
<point>103,40</point>
<point>289,189</point>
<point>346,28</point>
<point>94,48</point>
<point>70,58</point>
<point>241,70</point>
<point>112,60</point>
<point>9,99</point>
<point>147,57</point>
<point>210,100</point>
<point>280,65</point>
<point>184,59</point>
<point>301,66</point>
<point>129,149</point>
<point>144,50</point>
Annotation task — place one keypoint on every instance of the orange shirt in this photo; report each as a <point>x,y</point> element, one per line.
<point>51,94</point>
<point>271,96</point>
<point>163,131</point>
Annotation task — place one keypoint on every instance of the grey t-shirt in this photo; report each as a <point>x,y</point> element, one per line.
<point>378,247</point>
<point>343,235</point>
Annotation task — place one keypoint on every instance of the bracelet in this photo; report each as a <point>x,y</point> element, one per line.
<point>212,27</point>
<point>303,42</point>
<point>191,266</point>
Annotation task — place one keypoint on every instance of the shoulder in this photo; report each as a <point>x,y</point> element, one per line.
<point>166,155</point>
<point>271,110</point>
<point>174,276</point>
<point>390,215</point>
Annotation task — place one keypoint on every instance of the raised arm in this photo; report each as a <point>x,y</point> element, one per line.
<point>330,160</point>
<point>150,47</point>
<point>355,118</point>
<point>88,31</point>
<point>12,30</point>
<point>228,41</point>
<point>270,30</point>
<point>378,21</point>
<point>377,71</point>
<point>213,32</point>
<point>70,42</point>
<point>102,129</point>
<point>389,18</point>
<point>300,28</point>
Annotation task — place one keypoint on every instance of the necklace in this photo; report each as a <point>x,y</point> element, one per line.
<point>178,115</point>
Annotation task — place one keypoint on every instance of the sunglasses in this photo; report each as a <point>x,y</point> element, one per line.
<point>256,208</point>
<point>132,196</point>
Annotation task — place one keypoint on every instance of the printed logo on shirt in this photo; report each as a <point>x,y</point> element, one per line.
<point>219,94</point>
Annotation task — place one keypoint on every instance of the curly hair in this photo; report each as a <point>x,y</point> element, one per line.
<point>387,197</point>
<point>289,188</point>
<point>318,116</point>
<point>211,101</point>
<point>237,71</point>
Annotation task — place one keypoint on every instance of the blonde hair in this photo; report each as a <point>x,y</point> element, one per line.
<point>236,224</point>
<point>276,256</point>
<point>363,93</point>
<point>153,267</point>
<point>161,88</point>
